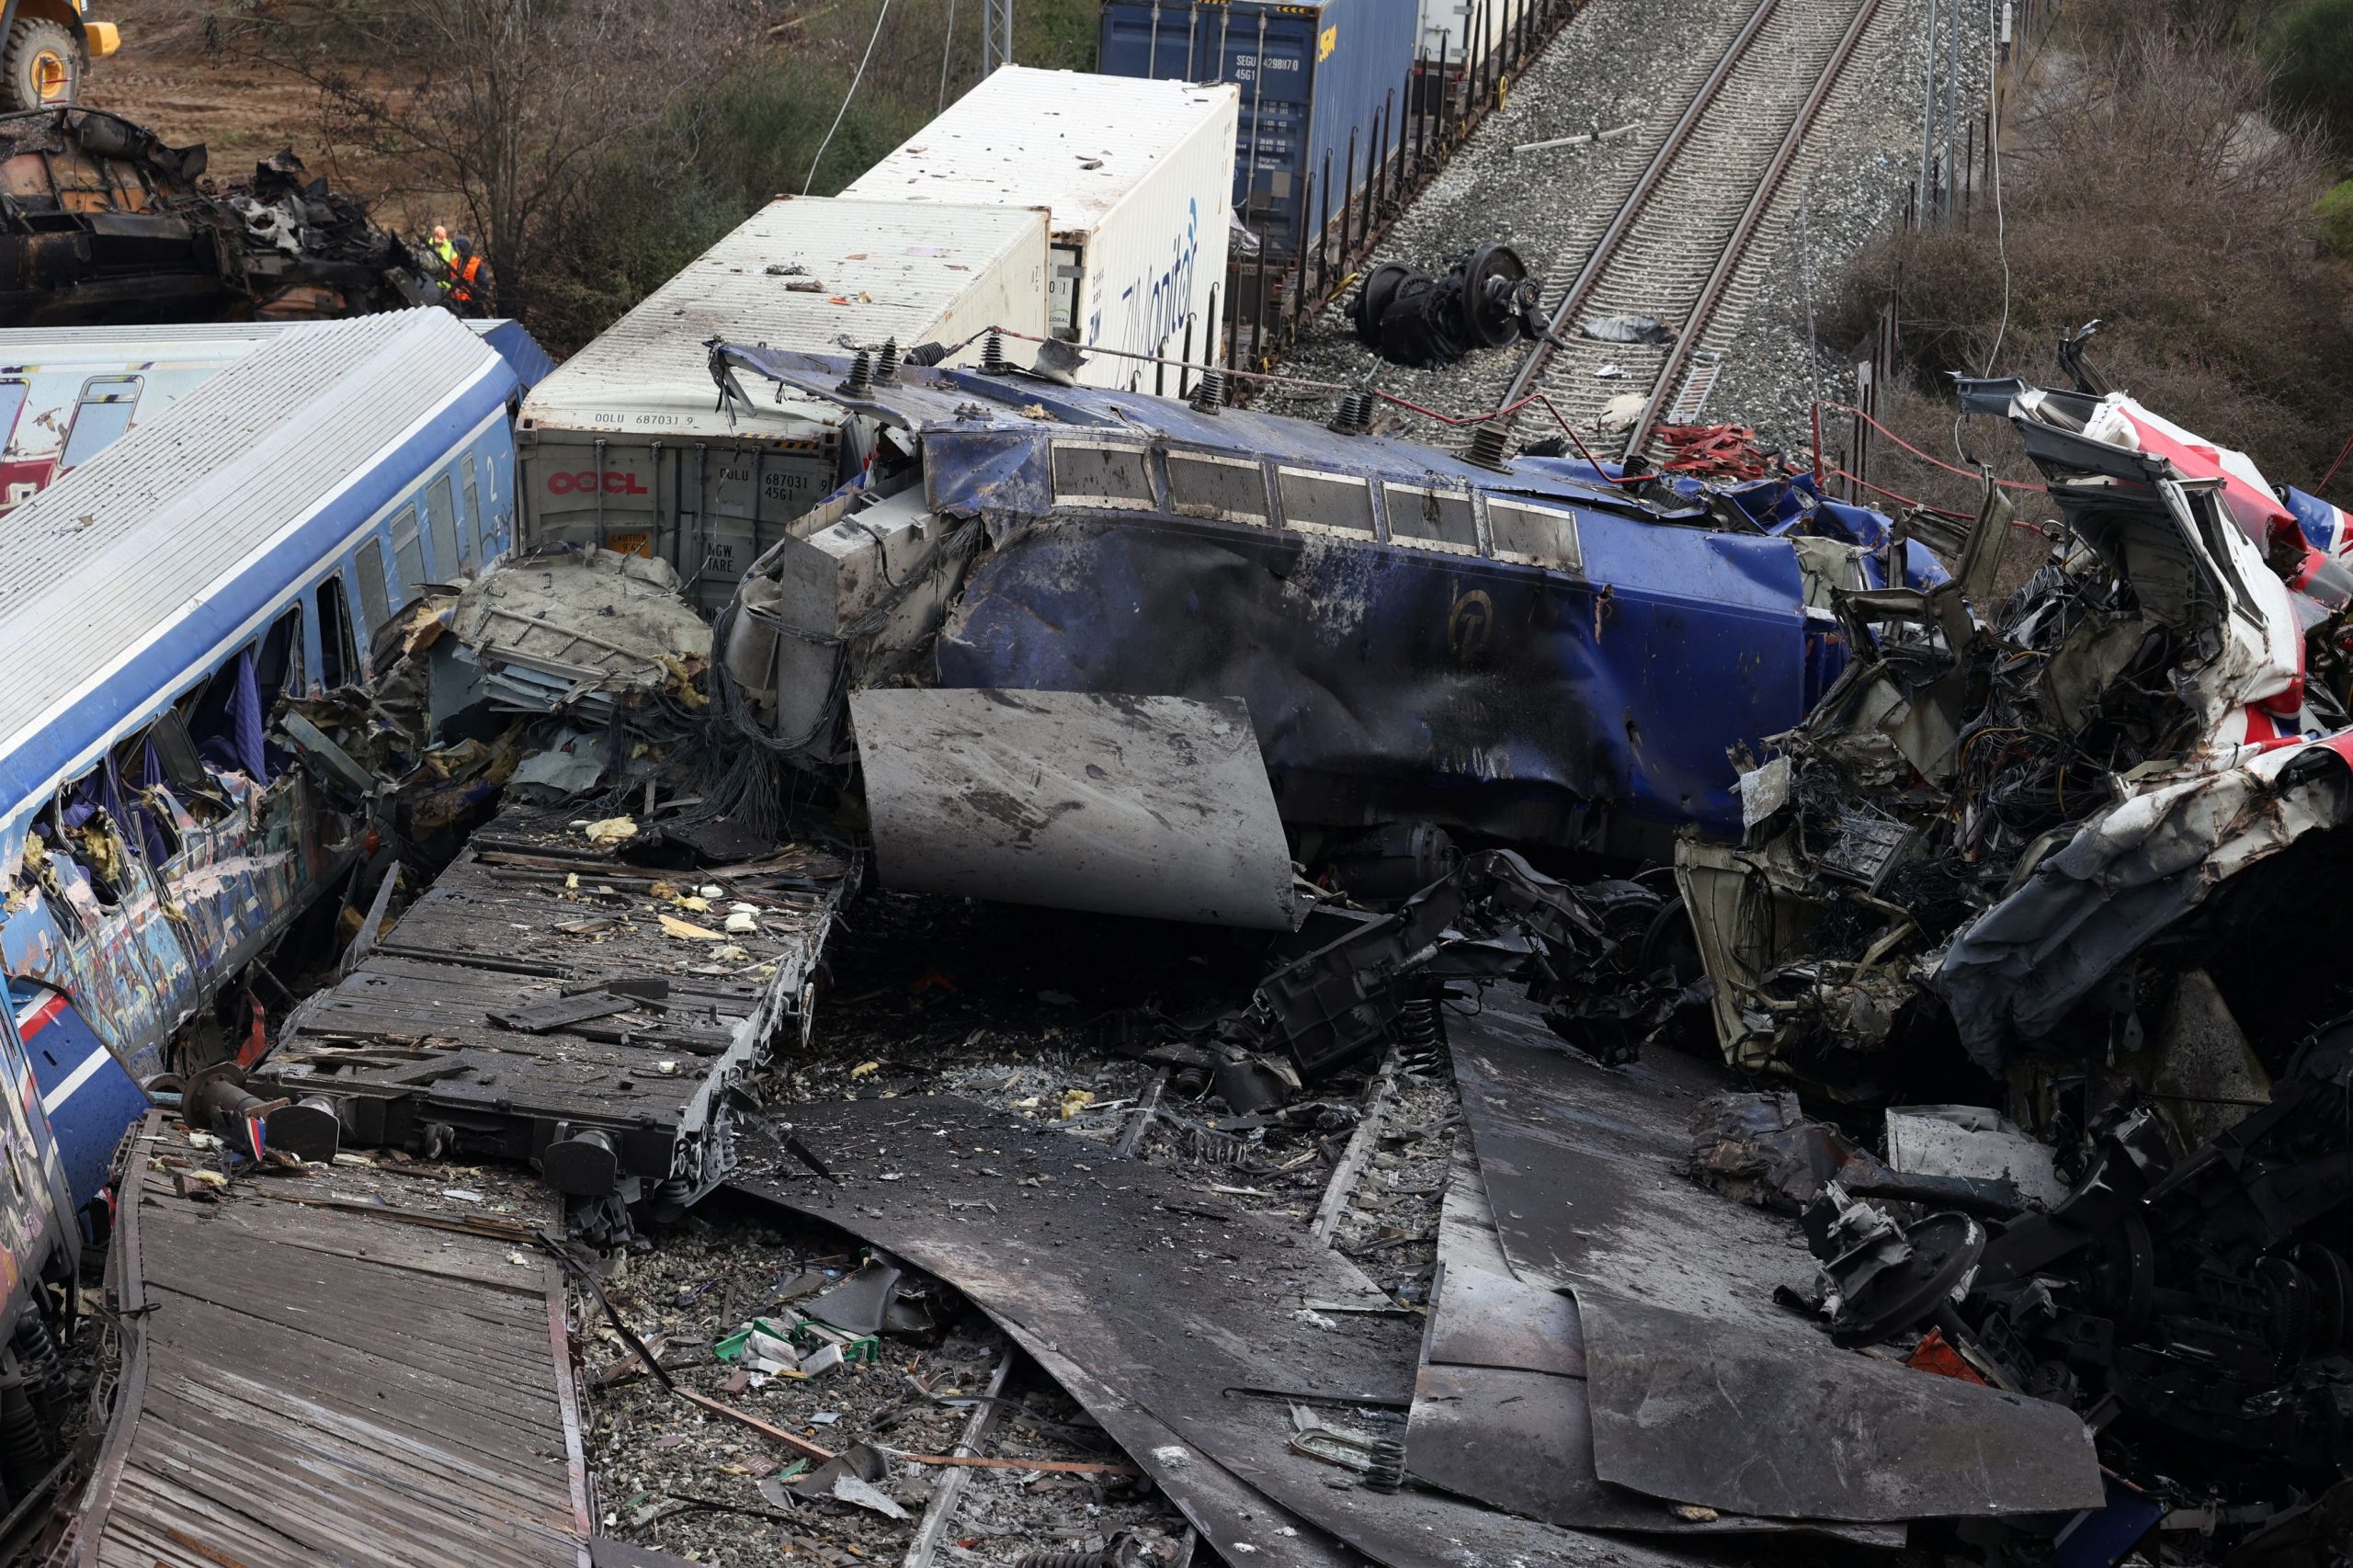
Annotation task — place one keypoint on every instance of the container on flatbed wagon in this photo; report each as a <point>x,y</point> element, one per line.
<point>1139,179</point>
<point>625,446</point>
<point>1334,72</point>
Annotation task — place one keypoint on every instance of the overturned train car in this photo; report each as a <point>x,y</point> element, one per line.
<point>1115,653</point>
<point>159,832</point>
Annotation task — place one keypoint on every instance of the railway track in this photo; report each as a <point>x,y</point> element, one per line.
<point>1671,250</point>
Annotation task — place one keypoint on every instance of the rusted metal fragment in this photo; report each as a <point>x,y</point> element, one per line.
<point>101,222</point>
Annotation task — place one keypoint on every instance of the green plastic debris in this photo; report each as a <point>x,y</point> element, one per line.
<point>733,1348</point>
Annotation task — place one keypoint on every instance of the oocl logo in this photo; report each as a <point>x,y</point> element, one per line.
<point>587,481</point>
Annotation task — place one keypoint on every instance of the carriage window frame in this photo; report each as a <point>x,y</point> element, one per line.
<point>1411,504</point>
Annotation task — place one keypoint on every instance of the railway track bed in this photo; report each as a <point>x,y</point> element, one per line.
<point>1759,106</point>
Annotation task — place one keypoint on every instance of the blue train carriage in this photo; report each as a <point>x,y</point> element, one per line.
<point>1528,655</point>
<point>259,541</point>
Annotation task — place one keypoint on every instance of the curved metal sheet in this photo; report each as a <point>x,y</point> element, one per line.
<point>1151,806</point>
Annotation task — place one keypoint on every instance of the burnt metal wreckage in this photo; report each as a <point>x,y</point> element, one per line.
<point>1575,802</point>
<point>104,223</point>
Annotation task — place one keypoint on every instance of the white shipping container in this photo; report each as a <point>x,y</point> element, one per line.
<point>624,444</point>
<point>1461,29</point>
<point>1139,177</point>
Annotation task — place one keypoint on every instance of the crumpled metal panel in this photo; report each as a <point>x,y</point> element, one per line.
<point>2018,971</point>
<point>1703,1391</point>
<point>1683,1409</point>
<point>1389,683</point>
<point>1149,806</point>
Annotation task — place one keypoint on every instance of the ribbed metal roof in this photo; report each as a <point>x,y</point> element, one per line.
<point>142,552</point>
<point>33,345</point>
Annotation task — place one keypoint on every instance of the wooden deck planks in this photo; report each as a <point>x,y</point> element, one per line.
<point>330,1385</point>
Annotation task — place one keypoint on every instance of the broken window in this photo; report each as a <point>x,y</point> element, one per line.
<point>1329,501</point>
<point>375,594</point>
<point>227,718</point>
<point>1089,474</point>
<point>165,756</point>
<point>475,528</point>
<point>408,552</point>
<point>1533,535</point>
<point>1431,519</point>
<point>12,404</point>
<point>87,817</point>
<point>281,665</point>
<point>147,819</point>
<point>100,418</point>
<point>338,649</point>
<point>1231,490</point>
<point>441,512</point>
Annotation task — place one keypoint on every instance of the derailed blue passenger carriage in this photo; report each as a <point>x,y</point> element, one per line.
<point>1528,654</point>
<point>257,542</point>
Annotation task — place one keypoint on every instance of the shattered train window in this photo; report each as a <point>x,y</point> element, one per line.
<point>1091,475</point>
<point>100,417</point>
<point>338,651</point>
<point>475,531</point>
<point>1534,535</point>
<point>407,552</point>
<point>12,404</point>
<point>280,667</point>
<point>1233,490</point>
<point>1330,501</point>
<point>1437,519</point>
<point>375,597</point>
<point>441,509</point>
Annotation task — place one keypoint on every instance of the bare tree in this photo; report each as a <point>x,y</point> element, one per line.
<point>507,107</point>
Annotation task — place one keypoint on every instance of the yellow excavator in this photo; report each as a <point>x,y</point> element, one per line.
<point>46,46</point>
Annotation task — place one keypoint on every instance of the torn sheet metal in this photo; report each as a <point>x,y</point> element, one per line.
<point>1108,1278</point>
<point>2129,873</point>
<point>1683,1409</point>
<point>2000,804</point>
<point>1520,1438</point>
<point>571,631</point>
<point>1974,1142</point>
<point>1149,806</point>
<point>1683,1342</point>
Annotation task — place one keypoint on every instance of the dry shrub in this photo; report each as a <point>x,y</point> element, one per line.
<point>2142,186</point>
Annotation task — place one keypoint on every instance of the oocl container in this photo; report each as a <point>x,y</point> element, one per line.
<point>624,445</point>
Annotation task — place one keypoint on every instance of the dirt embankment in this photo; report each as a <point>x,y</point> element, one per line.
<point>172,74</point>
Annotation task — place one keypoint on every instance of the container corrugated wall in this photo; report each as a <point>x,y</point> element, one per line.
<point>1316,82</point>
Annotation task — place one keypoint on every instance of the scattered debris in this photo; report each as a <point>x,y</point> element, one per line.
<point>108,225</point>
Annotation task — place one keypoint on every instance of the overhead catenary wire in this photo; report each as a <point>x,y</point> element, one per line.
<point>879,17</point>
<point>946,51</point>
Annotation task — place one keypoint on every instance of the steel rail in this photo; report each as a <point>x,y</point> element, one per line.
<point>1735,248</point>
<point>1604,249</point>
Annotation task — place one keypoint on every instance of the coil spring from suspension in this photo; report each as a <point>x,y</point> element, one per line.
<point>1420,1027</point>
<point>44,1372</point>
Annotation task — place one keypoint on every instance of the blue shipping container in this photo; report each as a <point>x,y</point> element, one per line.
<point>1313,75</point>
